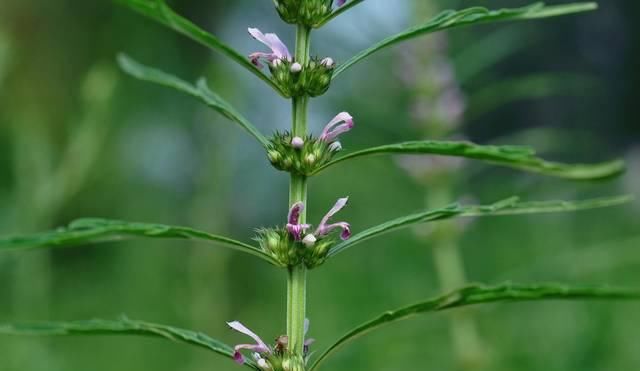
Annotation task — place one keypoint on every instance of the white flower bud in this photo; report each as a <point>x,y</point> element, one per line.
<point>297,142</point>
<point>309,240</point>
<point>276,62</point>
<point>335,147</point>
<point>328,62</point>
<point>296,67</point>
<point>263,364</point>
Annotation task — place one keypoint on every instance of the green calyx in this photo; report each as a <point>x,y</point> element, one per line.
<point>305,12</point>
<point>297,80</point>
<point>286,362</point>
<point>280,357</point>
<point>280,245</point>
<point>312,155</point>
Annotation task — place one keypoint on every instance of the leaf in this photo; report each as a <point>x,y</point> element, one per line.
<point>476,15</point>
<point>477,294</point>
<point>159,11</point>
<point>201,91</point>
<point>518,157</point>
<point>540,85</point>
<point>509,206</point>
<point>93,230</point>
<point>337,12</point>
<point>123,326</point>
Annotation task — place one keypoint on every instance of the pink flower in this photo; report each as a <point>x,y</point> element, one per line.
<point>258,347</point>
<point>294,227</point>
<point>325,228</point>
<point>342,123</point>
<point>279,50</point>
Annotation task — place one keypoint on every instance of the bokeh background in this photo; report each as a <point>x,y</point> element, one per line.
<point>79,138</point>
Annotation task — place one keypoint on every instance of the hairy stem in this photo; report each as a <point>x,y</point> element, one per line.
<point>297,277</point>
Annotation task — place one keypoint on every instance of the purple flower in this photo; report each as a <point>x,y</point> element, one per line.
<point>279,51</point>
<point>342,123</point>
<point>294,227</point>
<point>341,2</point>
<point>258,347</point>
<point>325,228</point>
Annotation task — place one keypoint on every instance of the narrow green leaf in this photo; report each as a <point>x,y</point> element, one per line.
<point>510,206</point>
<point>159,11</point>
<point>453,19</point>
<point>477,294</point>
<point>200,91</point>
<point>518,157</point>
<point>337,12</point>
<point>496,94</point>
<point>123,326</point>
<point>84,231</point>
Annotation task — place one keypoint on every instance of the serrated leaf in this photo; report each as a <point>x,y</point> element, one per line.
<point>123,326</point>
<point>93,230</point>
<point>159,11</point>
<point>477,294</point>
<point>337,12</point>
<point>510,206</point>
<point>518,157</point>
<point>476,15</point>
<point>199,91</point>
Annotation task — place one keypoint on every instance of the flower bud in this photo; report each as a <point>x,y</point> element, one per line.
<point>306,12</point>
<point>297,142</point>
<point>297,154</point>
<point>310,159</point>
<point>273,156</point>
<point>335,147</point>
<point>309,240</point>
<point>328,63</point>
<point>296,68</point>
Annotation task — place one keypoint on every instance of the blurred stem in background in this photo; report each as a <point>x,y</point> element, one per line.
<point>214,192</point>
<point>41,188</point>
<point>437,112</point>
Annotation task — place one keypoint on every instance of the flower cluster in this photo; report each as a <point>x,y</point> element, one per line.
<point>306,12</point>
<point>276,358</point>
<point>294,79</point>
<point>294,244</point>
<point>305,155</point>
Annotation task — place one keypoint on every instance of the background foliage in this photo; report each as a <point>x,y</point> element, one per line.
<point>156,156</point>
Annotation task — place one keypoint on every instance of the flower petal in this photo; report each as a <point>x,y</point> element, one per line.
<point>277,46</point>
<point>294,212</point>
<point>236,325</point>
<point>342,123</point>
<point>307,323</point>
<point>258,35</point>
<point>238,357</point>
<point>297,230</point>
<point>342,202</point>
<point>324,228</point>
<point>346,229</point>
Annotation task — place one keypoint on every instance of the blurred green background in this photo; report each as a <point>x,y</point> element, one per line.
<point>78,138</point>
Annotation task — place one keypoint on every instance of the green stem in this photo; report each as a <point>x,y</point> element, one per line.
<point>297,276</point>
